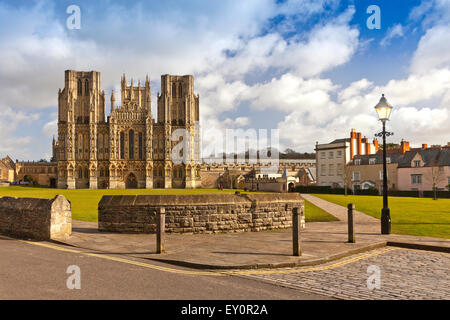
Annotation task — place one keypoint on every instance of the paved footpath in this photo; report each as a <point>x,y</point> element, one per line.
<point>404,274</point>
<point>340,212</point>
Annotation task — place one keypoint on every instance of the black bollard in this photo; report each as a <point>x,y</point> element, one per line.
<point>351,231</point>
<point>297,249</point>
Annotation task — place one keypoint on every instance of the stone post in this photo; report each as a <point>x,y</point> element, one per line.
<point>351,231</point>
<point>160,226</point>
<point>297,250</point>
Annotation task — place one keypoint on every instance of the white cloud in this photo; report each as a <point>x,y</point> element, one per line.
<point>393,32</point>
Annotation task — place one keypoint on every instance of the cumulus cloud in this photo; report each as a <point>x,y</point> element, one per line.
<point>239,58</point>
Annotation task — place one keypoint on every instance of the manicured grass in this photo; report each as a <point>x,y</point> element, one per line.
<point>412,216</point>
<point>85,202</point>
<point>314,214</point>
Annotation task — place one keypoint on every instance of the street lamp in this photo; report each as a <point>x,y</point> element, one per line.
<point>383,109</point>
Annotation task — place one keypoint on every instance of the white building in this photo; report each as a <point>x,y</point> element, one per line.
<point>332,158</point>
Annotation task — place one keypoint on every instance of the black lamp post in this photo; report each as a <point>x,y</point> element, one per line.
<point>383,109</point>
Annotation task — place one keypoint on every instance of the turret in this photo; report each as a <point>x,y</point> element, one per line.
<point>113,100</point>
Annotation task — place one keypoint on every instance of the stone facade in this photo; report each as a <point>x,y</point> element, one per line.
<point>232,175</point>
<point>129,149</point>
<point>7,169</point>
<point>198,213</point>
<point>40,219</point>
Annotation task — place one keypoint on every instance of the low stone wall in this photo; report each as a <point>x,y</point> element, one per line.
<point>202,213</point>
<point>40,219</point>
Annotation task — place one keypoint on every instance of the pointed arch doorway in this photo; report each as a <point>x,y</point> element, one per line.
<point>131,181</point>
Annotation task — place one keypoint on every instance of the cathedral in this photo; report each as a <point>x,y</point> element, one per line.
<point>128,148</point>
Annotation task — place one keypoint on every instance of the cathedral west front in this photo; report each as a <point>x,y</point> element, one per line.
<point>128,148</point>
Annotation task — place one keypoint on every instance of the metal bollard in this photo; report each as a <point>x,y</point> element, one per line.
<point>296,245</point>
<point>351,231</point>
<point>160,226</point>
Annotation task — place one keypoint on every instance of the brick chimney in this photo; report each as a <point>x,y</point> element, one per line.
<point>366,145</point>
<point>352,138</point>
<point>404,146</point>
<point>358,146</point>
<point>375,143</point>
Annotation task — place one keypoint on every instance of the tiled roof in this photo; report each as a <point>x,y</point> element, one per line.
<point>395,158</point>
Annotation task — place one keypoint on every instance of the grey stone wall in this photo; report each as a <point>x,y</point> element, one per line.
<point>203,213</point>
<point>40,219</point>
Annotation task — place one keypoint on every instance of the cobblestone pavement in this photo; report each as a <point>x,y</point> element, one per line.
<point>404,274</point>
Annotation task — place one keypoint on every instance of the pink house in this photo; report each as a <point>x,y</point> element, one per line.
<point>421,169</point>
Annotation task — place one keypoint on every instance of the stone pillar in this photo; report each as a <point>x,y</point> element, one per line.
<point>160,230</point>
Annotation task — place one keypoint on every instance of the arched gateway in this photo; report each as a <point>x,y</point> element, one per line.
<point>131,182</point>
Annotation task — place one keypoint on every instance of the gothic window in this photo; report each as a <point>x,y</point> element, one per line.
<point>80,173</point>
<point>122,145</point>
<point>100,146</point>
<point>180,91</point>
<point>174,90</point>
<point>80,88</point>
<point>141,146</point>
<point>86,87</point>
<point>106,143</point>
<point>86,173</point>
<point>131,144</point>
<point>181,172</point>
<point>102,172</point>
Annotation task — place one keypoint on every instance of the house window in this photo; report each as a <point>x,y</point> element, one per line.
<point>339,169</point>
<point>356,176</point>
<point>416,179</point>
<point>416,163</point>
<point>357,162</point>
<point>331,170</point>
<point>381,174</point>
<point>388,160</point>
<point>322,155</point>
<point>323,170</point>
<point>330,155</point>
<point>338,154</point>
<point>372,160</point>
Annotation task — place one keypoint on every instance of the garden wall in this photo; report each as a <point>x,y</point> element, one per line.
<point>202,213</point>
<point>40,219</point>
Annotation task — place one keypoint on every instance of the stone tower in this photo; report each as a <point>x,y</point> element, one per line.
<point>130,149</point>
<point>178,108</point>
<point>81,108</point>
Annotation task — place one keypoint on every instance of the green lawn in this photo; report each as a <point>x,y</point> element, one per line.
<point>413,216</point>
<point>85,201</point>
<point>315,214</point>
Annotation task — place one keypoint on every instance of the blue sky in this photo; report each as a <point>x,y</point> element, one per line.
<point>311,69</point>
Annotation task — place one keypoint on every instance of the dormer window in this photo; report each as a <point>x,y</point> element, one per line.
<point>372,160</point>
<point>388,160</point>
<point>357,162</point>
<point>416,163</point>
